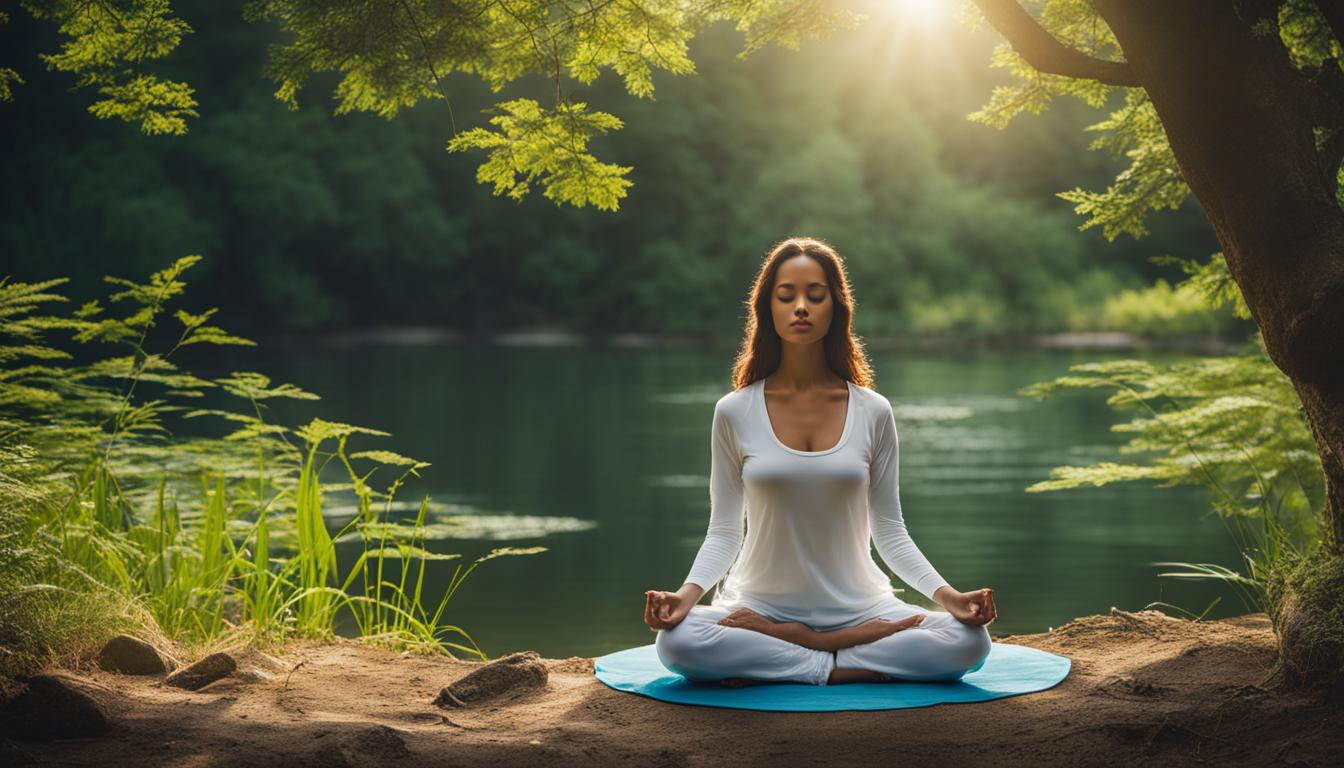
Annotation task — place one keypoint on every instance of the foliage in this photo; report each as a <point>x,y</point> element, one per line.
<point>394,54</point>
<point>312,221</point>
<point>1206,302</point>
<point>533,143</point>
<point>106,45</point>
<point>1152,181</point>
<point>1232,424</point>
<point>1307,592</point>
<point>108,517</point>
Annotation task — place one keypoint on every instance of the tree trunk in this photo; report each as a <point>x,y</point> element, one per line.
<point>1232,107</point>
<point>1234,111</point>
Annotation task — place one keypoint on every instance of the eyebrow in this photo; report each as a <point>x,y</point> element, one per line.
<point>790,285</point>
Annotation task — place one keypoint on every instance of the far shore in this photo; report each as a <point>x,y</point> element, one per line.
<point>561,337</point>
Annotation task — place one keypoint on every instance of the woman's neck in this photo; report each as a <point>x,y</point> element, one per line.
<point>803,366</point>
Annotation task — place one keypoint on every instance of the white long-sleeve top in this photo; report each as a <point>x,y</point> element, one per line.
<point>805,555</point>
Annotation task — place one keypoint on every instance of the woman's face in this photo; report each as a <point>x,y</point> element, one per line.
<point>801,293</point>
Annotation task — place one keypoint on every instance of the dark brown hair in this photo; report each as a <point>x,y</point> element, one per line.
<point>760,352</point>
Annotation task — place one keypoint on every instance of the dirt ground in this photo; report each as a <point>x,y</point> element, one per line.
<point>1144,689</point>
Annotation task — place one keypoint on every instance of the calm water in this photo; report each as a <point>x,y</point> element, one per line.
<point>602,455</point>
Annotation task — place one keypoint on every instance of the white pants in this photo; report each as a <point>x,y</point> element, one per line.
<point>939,648</point>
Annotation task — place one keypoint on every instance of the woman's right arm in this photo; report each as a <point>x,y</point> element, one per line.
<point>845,637</point>
<point>800,634</point>
<point>723,538</point>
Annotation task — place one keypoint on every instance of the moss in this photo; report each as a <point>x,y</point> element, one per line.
<point>1306,601</point>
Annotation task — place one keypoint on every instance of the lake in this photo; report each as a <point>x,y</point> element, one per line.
<point>601,454</point>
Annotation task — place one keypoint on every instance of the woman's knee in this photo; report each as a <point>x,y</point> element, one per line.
<point>677,647</point>
<point>974,646</point>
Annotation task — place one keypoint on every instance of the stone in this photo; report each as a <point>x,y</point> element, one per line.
<point>511,674</point>
<point>57,706</point>
<point>252,675</point>
<point>131,656</point>
<point>203,672</point>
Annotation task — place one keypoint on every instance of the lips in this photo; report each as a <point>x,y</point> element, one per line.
<point>800,324</point>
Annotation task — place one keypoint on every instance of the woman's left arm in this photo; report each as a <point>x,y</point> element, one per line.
<point>893,540</point>
<point>886,520</point>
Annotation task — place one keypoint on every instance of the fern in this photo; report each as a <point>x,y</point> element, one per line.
<point>1232,424</point>
<point>109,517</point>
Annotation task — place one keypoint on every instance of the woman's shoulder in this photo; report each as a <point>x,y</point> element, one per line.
<point>735,402</point>
<point>874,403</point>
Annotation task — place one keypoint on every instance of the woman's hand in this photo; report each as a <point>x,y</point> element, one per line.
<point>876,629</point>
<point>974,608</point>
<point>830,640</point>
<point>665,610</point>
<point>748,619</point>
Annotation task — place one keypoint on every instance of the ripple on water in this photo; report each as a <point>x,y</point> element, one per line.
<point>931,412</point>
<point>679,481</point>
<point>456,527</point>
<point>698,395</point>
<point>503,527</point>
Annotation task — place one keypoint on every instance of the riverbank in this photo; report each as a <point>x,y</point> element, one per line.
<point>559,337</point>
<point>1144,689</point>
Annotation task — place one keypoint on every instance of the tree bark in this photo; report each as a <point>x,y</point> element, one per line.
<point>1232,108</point>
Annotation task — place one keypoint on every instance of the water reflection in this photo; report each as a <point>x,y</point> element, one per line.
<point>602,456</point>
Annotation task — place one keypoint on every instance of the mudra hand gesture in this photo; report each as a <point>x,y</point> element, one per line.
<point>665,610</point>
<point>975,608</point>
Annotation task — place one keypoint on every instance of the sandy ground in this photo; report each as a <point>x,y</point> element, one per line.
<point>1145,689</point>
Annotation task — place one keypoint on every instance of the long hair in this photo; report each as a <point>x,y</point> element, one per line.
<point>761,346</point>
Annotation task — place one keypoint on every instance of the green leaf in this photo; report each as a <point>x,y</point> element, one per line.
<point>533,143</point>
<point>105,45</point>
<point>388,457</point>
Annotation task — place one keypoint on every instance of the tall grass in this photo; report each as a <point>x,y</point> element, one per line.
<point>108,514</point>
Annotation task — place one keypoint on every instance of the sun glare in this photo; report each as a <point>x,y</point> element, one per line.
<point>919,38</point>
<point>923,8</point>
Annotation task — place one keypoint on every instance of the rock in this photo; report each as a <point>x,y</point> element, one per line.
<point>255,667</point>
<point>250,675</point>
<point>513,673</point>
<point>256,659</point>
<point>131,656</point>
<point>57,706</point>
<point>203,672</point>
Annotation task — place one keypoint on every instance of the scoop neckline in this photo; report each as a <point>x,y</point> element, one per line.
<point>765,417</point>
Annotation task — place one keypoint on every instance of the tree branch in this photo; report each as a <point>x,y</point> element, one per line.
<point>1045,52</point>
<point>1320,90</point>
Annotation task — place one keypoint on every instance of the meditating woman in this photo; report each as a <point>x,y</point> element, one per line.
<point>807,453</point>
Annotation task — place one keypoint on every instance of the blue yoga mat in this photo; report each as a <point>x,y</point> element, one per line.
<point>1009,670</point>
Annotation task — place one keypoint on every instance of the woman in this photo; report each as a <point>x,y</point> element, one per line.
<point>807,453</point>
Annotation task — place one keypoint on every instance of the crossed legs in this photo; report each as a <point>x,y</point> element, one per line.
<point>701,649</point>
<point>940,648</point>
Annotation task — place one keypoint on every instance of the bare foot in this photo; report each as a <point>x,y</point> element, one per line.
<point>876,629</point>
<point>739,682</point>
<point>852,675</point>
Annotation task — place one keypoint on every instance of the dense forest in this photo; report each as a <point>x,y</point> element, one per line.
<point>309,220</point>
